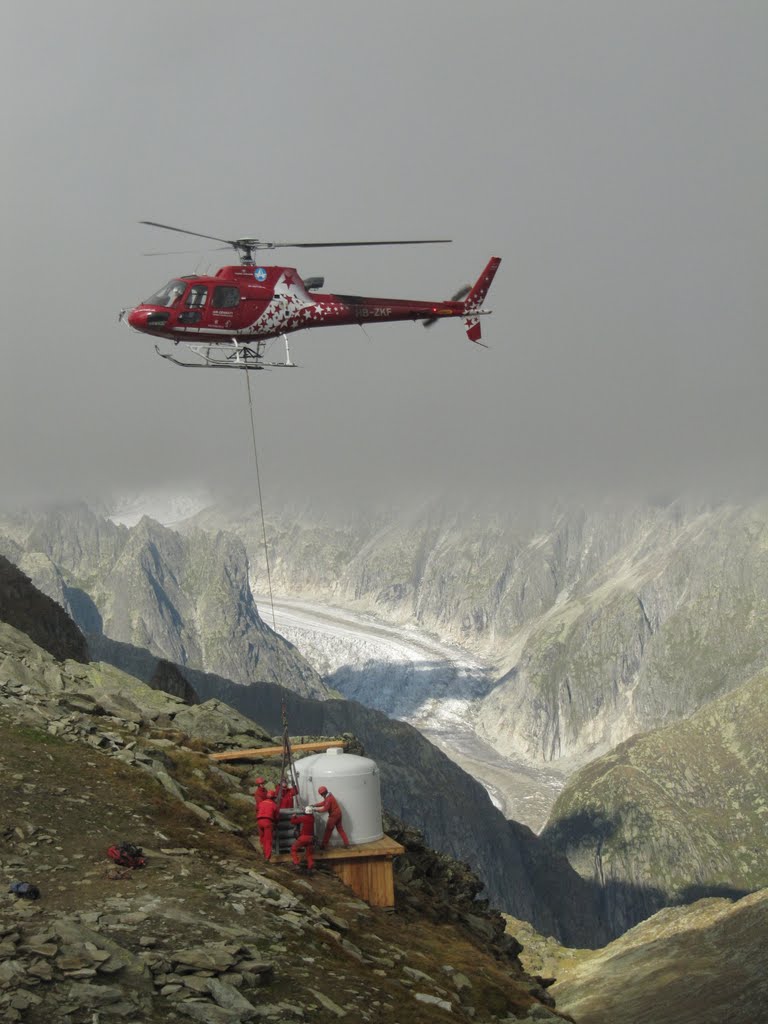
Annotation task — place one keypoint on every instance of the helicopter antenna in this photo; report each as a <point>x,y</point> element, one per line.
<point>246,247</point>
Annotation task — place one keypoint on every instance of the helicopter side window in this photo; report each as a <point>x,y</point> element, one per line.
<point>198,293</point>
<point>167,296</point>
<point>225,297</point>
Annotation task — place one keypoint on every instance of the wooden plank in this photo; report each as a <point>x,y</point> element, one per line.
<point>261,752</point>
<point>371,880</point>
<point>387,895</point>
<point>384,847</point>
<point>380,848</point>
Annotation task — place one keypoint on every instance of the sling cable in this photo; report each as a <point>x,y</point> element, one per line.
<point>286,792</point>
<point>261,503</point>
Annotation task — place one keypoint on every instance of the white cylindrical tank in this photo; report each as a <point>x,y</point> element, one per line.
<point>354,781</point>
<point>307,794</point>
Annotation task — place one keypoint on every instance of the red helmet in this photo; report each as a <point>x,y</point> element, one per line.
<point>322,790</point>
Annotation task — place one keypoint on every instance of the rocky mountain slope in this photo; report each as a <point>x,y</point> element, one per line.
<point>185,599</point>
<point>419,783</point>
<point>602,622</point>
<point>701,964</point>
<point>38,615</point>
<point>206,930</point>
<point>646,615</point>
<point>674,814</point>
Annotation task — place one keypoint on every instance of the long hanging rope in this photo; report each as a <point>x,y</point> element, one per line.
<point>288,775</point>
<point>261,503</point>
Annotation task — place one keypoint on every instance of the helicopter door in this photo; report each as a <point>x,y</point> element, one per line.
<point>225,306</point>
<point>194,305</point>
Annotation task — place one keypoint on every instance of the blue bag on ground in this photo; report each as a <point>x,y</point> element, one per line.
<point>25,890</point>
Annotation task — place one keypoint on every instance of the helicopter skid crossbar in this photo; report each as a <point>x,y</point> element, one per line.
<point>225,357</point>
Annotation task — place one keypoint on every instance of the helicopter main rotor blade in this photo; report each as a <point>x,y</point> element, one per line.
<point>247,246</point>
<point>187,252</point>
<point>331,245</point>
<point>183,231</point>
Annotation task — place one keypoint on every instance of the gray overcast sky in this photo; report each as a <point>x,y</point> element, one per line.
<point>615,154</point>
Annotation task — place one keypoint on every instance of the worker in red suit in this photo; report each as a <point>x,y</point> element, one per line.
<point>266,816</point>
<point>260,793</point>
<point>305,839</point>
<point>287,799</point>
<point>330,806</point>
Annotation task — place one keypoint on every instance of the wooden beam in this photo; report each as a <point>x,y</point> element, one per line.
<point>262,752</point>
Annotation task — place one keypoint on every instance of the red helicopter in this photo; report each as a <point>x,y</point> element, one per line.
<point>227,319</point>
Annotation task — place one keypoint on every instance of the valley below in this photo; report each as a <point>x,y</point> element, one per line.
<point>432,685</point>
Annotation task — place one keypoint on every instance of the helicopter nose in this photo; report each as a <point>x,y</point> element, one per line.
<point>141,319</point>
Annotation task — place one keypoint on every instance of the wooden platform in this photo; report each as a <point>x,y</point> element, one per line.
<point>366,868</point>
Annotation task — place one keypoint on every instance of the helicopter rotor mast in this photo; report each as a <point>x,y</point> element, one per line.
<point>245,247</point>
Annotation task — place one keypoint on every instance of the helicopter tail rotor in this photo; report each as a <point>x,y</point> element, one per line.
<point>454,298</point>
<point>472,310</point>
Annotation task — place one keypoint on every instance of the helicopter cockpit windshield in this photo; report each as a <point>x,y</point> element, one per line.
<point>167,296</point>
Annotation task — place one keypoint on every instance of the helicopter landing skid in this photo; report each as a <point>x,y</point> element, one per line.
<point>221,357</point>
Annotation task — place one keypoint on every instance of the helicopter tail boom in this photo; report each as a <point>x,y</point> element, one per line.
<point>476,296</point>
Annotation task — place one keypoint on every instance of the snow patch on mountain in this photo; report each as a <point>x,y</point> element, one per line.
<point>399,671</point>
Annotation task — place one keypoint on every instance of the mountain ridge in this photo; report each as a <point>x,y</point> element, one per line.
<point>187,599</point>
<point>603,622</point>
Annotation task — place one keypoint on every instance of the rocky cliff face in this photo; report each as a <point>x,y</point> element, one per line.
<point>672,815</point>
<point>141,664</point>
<point>664,627</point>
<point>185,599</point>
<point>34,613</point>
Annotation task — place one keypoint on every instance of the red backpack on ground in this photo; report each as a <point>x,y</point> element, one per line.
<point>127,855</point>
